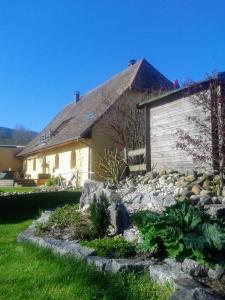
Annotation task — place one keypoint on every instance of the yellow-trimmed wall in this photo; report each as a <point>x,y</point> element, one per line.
<point>65,160</point>
<point>8,159</point>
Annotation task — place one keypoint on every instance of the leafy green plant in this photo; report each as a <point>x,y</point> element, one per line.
<point>111,247</point>
<point>99,215</point>
<point>52,181</point>
<point>182,230</point>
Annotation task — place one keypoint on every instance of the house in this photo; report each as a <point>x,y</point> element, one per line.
<point>170,112</point>
<point>8,159</point>
<point>71,141</point>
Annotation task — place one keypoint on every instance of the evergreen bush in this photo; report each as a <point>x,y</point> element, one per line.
<point>99,215</point>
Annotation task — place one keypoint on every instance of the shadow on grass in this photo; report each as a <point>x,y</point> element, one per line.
<point>18,208</point>
<point>86,282</point>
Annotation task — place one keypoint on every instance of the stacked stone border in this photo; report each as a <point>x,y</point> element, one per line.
<point>186,287</point>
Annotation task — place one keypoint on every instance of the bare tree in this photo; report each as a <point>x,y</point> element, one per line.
<point>208,146</point>
<point>21,135</point>
<point>124,123</point>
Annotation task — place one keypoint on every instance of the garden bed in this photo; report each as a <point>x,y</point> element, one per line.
<point>162,271</point>
<point>180,231</point>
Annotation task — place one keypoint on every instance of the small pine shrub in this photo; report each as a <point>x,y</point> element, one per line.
<point>111,247</point>
<point>99,215</point>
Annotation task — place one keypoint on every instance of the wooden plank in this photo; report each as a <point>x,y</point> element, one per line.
<point>147,138</point>
<point>165,120</point>
<point>136,152</point>
<point>136,168</point>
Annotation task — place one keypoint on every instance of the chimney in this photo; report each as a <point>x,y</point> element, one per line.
<point>77,96</point>
<point>132,62</point>
<point>176,84</point>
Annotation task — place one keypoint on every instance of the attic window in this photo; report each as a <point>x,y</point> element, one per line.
<point>62,125</point>
<point>88,115</point>
<point>46,135</point>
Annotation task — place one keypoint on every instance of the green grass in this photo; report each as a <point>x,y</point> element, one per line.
<point>29,272</point>
<point>17,189</point>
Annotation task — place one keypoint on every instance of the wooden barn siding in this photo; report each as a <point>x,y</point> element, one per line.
<point>165,120</point>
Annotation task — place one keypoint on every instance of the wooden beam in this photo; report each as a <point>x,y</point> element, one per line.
<point>147,138</point>
<point>140,151</point>
<point>136,168</point>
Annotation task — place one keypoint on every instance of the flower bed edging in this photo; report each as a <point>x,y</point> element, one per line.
<point>75,250</point>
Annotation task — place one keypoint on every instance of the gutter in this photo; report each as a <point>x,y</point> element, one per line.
<point>76,139</point>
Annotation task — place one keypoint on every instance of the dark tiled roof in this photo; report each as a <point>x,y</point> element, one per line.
<point>76,119</point>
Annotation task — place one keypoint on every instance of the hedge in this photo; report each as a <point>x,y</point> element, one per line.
<point>19,205</point>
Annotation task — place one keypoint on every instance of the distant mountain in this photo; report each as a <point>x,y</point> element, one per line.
<point>18,136</point>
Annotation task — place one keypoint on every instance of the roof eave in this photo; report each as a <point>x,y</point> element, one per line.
<point>196,88</point>
<point>50,146</point>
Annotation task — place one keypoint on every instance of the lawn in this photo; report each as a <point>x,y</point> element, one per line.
<point>28,272</point>
<point>17,189</point>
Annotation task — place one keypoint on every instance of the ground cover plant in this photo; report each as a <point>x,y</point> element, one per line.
<point>67,220</point>
<point>182,231</point>
<point>29,272</point>
<point>111,247</point>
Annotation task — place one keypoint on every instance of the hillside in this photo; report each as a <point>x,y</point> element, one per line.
<point>18,136</point>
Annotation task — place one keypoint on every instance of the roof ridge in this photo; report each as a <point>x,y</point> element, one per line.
<point>108,80</point>
<point>138,68</point>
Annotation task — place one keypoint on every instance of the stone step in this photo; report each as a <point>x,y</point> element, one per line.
<point>6,183</point>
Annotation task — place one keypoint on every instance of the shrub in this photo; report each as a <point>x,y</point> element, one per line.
<point>182,230</point>
<point>111,165</point>
<point>111,247</point>
<point>99,215</point>
<point>52,181</point>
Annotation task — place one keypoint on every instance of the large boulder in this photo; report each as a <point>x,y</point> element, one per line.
<point>119,217</point>
<point>95,188</point>
<point>90,189</point>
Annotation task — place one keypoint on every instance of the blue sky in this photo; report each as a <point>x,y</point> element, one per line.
<point>49,49</point>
